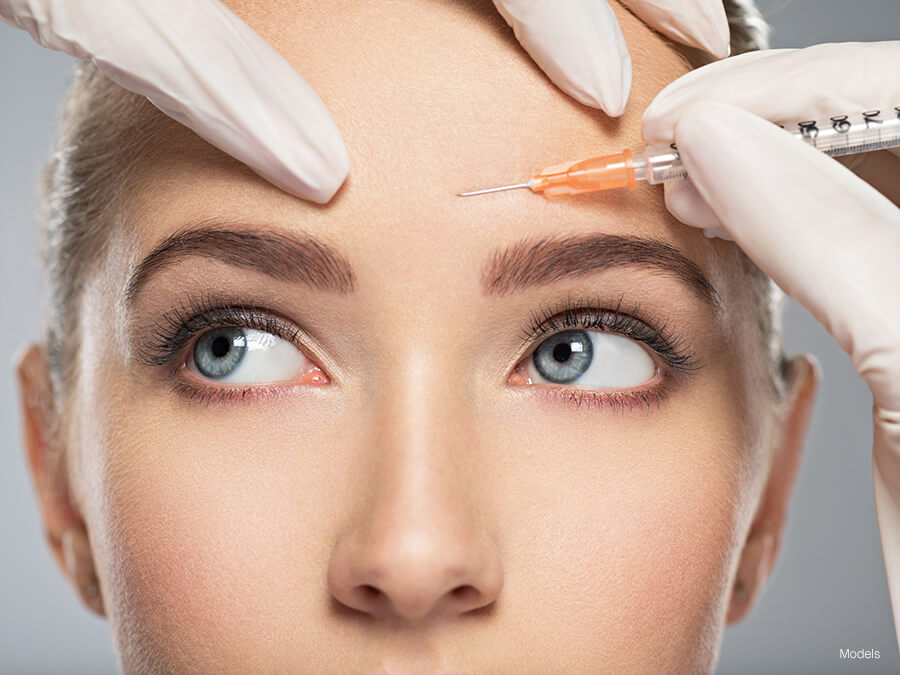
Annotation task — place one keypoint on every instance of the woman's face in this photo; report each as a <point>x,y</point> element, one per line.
<point>396,464</point>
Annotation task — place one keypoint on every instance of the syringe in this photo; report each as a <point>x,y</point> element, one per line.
<point>835,136</point>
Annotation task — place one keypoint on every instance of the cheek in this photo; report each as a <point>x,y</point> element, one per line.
<point>674,544</point>
<point>211,533</point>
<point>629,528</point>
<point>198,559</point>
<point>633,549</point>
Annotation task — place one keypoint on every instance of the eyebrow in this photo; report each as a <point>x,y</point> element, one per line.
<point>544,260</point>
<point>302,258</point>
<point>295,257</point>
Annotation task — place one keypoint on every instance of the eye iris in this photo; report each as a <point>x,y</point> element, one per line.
<point>219,351</point>
<point>564,357</point>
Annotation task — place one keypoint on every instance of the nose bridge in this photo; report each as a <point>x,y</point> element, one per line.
<point>425,410</point>
<point>422,500</point>
<point>418,547</point>
<point>423,430</point>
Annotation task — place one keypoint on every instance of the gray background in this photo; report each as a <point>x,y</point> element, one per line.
<point>828,591</point>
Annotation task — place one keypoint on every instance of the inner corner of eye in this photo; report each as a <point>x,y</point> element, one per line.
<point>520,374</point>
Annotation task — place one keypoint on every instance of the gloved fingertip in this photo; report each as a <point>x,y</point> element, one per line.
<point>687,206</point>
<point>657,124</point>
<point>607,90</point>
<point>718,40</point>
<point>579,45</point>
<point>654,129</point>
<point>317,182</point>
<point>614,100</point>
<point>717,233</point>
<point>602,78</point>
<point>320,174</point>
<point>335,176</point>
<point>702,24</point>
<point>709,28</point>
<point>325,192</point>
<point>614,80</point>
<point>613,84</point>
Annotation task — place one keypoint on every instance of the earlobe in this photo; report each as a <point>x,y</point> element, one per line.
<point>761,548</point>
<point>79,565</point>
<point>64,526</point>
<point>753,570</point>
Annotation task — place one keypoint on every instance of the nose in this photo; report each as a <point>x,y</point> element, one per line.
<point>416,548</point>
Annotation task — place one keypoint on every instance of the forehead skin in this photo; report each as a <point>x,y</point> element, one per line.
<point>199,511</point>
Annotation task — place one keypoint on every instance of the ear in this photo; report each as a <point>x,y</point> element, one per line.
<point>764,540</point>
<point>64,526</point>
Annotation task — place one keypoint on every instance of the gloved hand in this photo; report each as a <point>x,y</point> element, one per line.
<point>200,64</point>
<point>579,45</point>
<point>827,238</point>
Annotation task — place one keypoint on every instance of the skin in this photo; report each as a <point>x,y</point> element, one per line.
<point>421,506</point>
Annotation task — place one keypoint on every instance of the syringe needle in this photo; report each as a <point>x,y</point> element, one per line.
<point>496,189</point>
<point>655,164</point>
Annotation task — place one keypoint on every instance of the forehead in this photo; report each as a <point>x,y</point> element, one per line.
<point>448,79</point>
<point>441,90</point>
<point>433,98</point>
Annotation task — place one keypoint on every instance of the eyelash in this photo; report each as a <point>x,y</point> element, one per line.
<point>180,325</point>
<point>636,324</point>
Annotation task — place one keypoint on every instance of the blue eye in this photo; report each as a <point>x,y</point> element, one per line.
<point>564,357</point>
<point>591,359</point>
<point>245,355</point>
<point>218,352</point>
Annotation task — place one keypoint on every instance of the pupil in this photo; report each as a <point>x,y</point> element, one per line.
<point>220,346</point>
<point>562,352</point>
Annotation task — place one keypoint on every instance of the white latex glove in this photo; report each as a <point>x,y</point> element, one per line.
<point>826,237</point>
<point>579,45</point>
<point>200,64</point>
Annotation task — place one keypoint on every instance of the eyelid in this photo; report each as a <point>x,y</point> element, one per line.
<point>615,401</point>
<point>660,367</point>
<point>636,324</point>
<point>645,396</point>
<point>181,327</point>
<point>197,389</point>
<point>195,379</point>
<point>204,309</point>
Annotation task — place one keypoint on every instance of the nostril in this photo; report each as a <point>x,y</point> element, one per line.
<point>369,592</point>
<point>365,597</point>
<point>464,592</point>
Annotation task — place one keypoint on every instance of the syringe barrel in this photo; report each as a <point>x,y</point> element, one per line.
<point>659,164</point>
<point>836,135</point>
<point>849,134</point>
